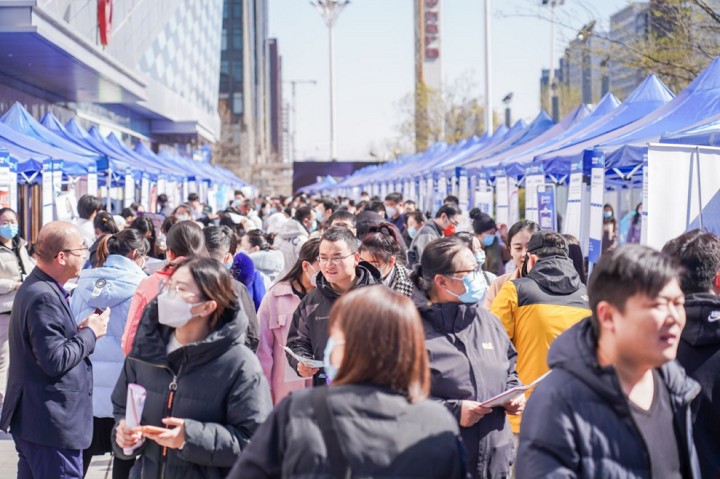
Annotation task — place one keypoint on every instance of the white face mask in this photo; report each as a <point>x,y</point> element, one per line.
<point>312,277</point>
<point>173,311</point>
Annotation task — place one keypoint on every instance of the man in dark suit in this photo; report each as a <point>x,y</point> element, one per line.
<point>48,402</point>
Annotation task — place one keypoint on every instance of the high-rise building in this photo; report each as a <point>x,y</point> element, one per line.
<point>585,69</point>
<point>627,26</point>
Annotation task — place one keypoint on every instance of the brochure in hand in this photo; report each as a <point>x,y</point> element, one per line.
<point>512,393</point>
<point>312,363</point>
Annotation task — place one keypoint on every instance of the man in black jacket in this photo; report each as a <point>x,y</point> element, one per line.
<point>48,403</point>
<point>616,404</point>
<point>699,352</point>
<point>340,272</point>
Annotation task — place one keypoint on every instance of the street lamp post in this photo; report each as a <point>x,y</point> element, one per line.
<point>330,11</point>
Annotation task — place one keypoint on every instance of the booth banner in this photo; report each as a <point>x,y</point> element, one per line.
<point>411,194</point>
<point>513,202</point>
<point>442,187</point>
<point>66,206</point>
<point>185,192</point>
<point>692,174</point>
<point>192,188</point>
<point>129,196</point>
<point>13,184</point>
<point>503,197</point>
<point>547,213</point>
<point>429,193</point>
<point>47,192</point>
<point>463,188</point>
<point>92,181</point>
<point>162,185</point>
<point>145,190</point>
<point>406,190</point>
<point>5,184</point>
<point>534,180</point>
<point>597,190</point>
<point>578,206</point>
<point>484,199</point>
<point>644,224</point>
<point>57,171</point>
<point>422,195</point>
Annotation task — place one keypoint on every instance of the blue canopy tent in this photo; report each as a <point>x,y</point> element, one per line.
<point>516,164</point>
<point>706,134</point>
<point>470,147</point>
<point>167,168</point>
<point>144,164</point>
<point>573,118</point>
<point>319,186</point>
<point>650,95</point>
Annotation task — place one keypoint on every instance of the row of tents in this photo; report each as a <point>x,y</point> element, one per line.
<point>620,132</point>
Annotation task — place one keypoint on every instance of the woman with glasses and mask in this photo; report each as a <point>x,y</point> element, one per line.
<point>471,357</point>
<point>374,420</point>
<point>205,389</point>
<point>112,284</point>
<point>15,265</point>
<point>384,249</point>
<point>275,317</point>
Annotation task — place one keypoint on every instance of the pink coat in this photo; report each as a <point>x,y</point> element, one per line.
<point>275,316</point>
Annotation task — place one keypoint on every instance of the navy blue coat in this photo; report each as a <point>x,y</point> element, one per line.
<point>49,393</point>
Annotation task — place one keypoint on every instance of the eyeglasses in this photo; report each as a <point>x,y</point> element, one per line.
<point>84,248</point>
<point>174,290</point>
<point>453,222</point>
<point>476,269</point>
<point>333,260</point>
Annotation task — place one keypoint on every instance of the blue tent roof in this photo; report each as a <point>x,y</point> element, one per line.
<point>707,134</point>
<point>137,163</point>
<point>699,101</point>
<point>166,167</point>
<point>650,95</point>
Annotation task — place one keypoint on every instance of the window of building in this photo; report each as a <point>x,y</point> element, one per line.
<point>237,71</point>
<point>224,66</point>
<point>224,40</point>
<point>237,9</point>
<point>237,103</point>
<point>237,38</point>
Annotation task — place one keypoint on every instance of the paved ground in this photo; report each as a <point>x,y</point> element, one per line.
<point>8,461</point>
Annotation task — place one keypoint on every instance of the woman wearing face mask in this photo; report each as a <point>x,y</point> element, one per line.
<point>204,386</point>
<point>383,248</point>
<point>112,284</point>
<point>184,240</point>
<point>374,420</point>
<point>15,265</point>
<point>485,228</point>
<point>518,238</point>
<point>610,229</point>
<point>183,213</point>
<point>414,221</point>
<point>471,357</point>
<point>275,316</point>
<point>267,260</point>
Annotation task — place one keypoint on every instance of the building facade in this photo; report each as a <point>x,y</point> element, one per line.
<point>148,71</point>
<point>626,27</point>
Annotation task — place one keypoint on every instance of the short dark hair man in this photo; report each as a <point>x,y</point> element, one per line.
<point>325,208</point>
<point>395,210</point>
<point>48,406</point>
<point>88,206</point>
<point>616,404</point>
<point>340,272</point>
<point>446,219</point>
<point>344,218</point>
<point>698,252</point>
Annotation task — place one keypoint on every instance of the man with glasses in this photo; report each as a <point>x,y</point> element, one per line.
<point>340,272</point>
<point>48,405</point>
<point>446,219</point>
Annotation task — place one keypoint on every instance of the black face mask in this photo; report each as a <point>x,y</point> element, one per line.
<point>524,270</point>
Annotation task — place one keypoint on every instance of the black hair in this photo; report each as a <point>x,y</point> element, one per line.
<point>303,213</point>
<point>523,225</point>
<point>416,215</point>
<point>329,204</point>
<point>451,199</point>
<point>552,244</point>
<point>193,197</point>
<point>575,253</point>
<point>122,243</point>
<point>144,225</point>
<point>376,206</point>
<point>215,284</point>
<point>88,205</point>
<point>343,215</point>
<point>309,252</point>
<point>396,198</point>
<point>105,223</point>
<point>162,198</point>
<point>168,223</point>
<point>127,212</point>
<point>186,238</point>
<point>626,271</point>
<point>339,233</point>
<point>184,206</point>
<point>698,252</point>
<point>383,241</point>
<point>481,222</point>
<point>258,238</point>
<point>448,210</point>
<point>637,215</point>
<point>219,239</point>
<point>439,257</point>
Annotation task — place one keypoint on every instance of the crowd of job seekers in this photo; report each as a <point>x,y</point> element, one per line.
<point>315,337</point>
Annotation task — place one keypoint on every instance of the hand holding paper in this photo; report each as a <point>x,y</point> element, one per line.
<point>133,413</point>
<point>312,363</point>
<point>512,394</point>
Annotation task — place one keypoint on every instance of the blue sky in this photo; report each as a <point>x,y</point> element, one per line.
<point>374,61</point>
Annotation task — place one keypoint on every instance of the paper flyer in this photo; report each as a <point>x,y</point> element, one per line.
<point>313,363</point>
<point>135,404</point>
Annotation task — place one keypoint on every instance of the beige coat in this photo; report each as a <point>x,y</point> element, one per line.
<point>10,273</point>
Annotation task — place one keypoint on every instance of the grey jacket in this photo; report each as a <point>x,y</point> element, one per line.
<point>217,386</point>
<point>12,262</point>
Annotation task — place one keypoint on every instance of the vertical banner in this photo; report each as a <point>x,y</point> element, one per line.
<point>644,225</point>
<point>597,189</point>
<point>57,171</point>
<point>463,191</point>
<point>145,191</point>
<point>429,193</point>
<point>92,181</point>
<point>383,190</point>
<point>577,214</point>
<point>47,192</point>
<point>412,192</point>
<point>185,191</point>
<point>547,214</point>
<point>13,184</point>
<point>5,184</point>
<point>484,199</point>
<point>406,191</point>
<point>129,196</point>
<point>161,185</point>
<point>534,180</point>
<point>513,202</point>
<point>503,197</point>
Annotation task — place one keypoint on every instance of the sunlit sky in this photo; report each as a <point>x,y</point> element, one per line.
<point>374,61</point>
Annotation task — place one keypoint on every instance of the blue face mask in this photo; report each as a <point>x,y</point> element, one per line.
<point>480,257</point>
<point>608,214</point>
<point>9,231</point>
<point>330,370</point>
<point>475,288</point>
<point>488,240</point>
<point>412,232</point>
<point>313,226</point>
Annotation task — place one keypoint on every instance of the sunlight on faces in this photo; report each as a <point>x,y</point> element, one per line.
<point>8,218</point>
<point>647,333</point>
<point>341,268</point>
<point>185,287</point>
<point>518,247</point>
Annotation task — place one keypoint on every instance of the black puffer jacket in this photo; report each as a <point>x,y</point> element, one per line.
<point>219,389</point>
<point>699,354</point>
<point>472,358</point>
<point>382,434</point>
<point>308,333</point>
<point>578,422</point>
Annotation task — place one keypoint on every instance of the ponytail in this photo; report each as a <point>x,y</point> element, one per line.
<point>123,244</point>
<point>103,250</point>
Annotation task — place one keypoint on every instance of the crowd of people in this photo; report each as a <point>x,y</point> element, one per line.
<point>327,337</point>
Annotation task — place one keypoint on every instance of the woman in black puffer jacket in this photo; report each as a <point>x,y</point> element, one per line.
<point>202,383</point>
